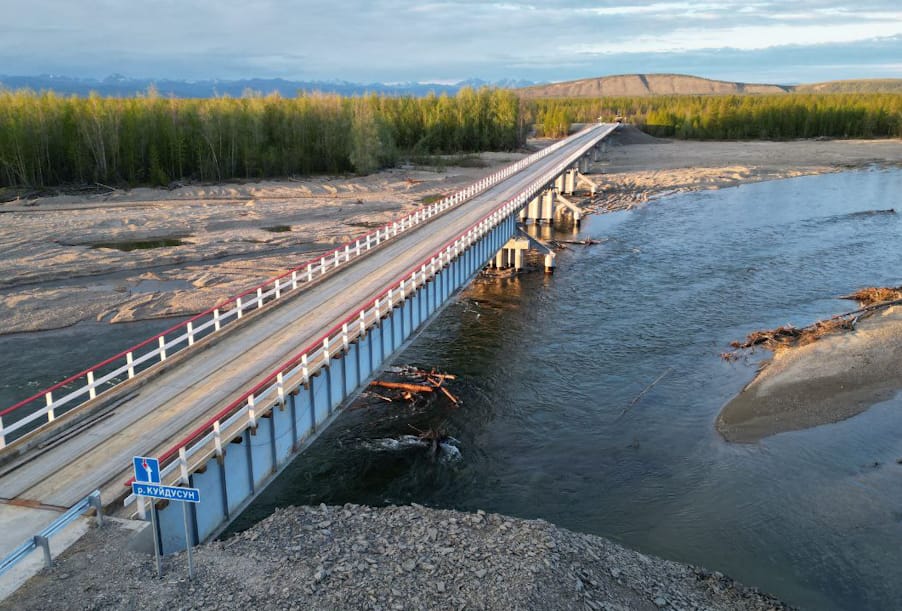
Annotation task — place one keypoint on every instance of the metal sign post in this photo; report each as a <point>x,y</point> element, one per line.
<point>148,484</point>
<point>188,542</point>
<point>156,539</point>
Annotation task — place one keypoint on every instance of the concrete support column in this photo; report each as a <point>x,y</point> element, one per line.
<point>569,181</point>
<point>547,212</point>
<point>549,264</point>
<point>559,183</point>
<point>534,208</point>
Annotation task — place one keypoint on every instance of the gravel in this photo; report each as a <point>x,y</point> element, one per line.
<point>410,557</point>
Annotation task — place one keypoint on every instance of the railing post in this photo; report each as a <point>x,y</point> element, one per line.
<point>48,397</point>
<point>96,503</point>
<point>322,265</point>
<point>294,279</point>
<point>216,323</point>
<point>162,348</point>
<point>362,331</point>
<point>238,307</point>
<point>309,272</point>
<point>2,435</point>
<point>278,288</point>
<point>92,391</point>
<point>251,412</point>
<point>217,439</point>
<point>344,337</point>
<point>305,372</point>
<point>326,356</point>
<point>130,361</point>
<point>336,258</point>
<point>259,297</point>
<point>280,388</point>
<point>190,333</point>
<point>44,544</point>
<point>183,465</point>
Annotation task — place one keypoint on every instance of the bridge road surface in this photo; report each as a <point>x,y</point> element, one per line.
<point>162,411</point>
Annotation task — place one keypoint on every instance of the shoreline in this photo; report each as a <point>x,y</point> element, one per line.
<point>233,236</point>
<point>834,378</point>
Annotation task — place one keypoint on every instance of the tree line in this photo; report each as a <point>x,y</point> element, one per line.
<point>733,117</point>
<point>47,139</point>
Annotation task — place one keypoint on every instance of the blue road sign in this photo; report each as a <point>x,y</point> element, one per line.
<point>147,470</point>
<point>170,493</point>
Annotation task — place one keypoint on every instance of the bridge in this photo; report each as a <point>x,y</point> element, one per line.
<point>229,397</point>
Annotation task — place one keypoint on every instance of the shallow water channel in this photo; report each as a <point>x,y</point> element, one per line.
<point>550,368</point>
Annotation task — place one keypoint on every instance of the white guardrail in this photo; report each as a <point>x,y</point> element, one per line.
<point>42,408</point>
<point>207,440</point>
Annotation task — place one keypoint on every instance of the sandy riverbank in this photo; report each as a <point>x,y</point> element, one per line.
<point>832,379</point>
<point>650,167</point>
<point>56,267</point>
<point>52,274</point>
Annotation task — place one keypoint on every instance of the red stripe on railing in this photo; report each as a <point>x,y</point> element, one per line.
<point>294,360</point>
<point>233,299</point>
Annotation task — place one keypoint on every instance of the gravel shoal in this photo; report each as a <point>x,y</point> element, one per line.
<point>410,557</point>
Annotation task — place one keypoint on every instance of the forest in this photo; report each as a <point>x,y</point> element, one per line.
<point>732,117</point>
<point>50,140</point>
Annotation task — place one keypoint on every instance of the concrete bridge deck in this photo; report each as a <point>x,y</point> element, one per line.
<point>153,416</point>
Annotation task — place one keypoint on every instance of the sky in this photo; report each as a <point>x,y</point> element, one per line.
<point>389,41</point>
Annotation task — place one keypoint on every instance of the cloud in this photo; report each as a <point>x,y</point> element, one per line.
<point>395,40</point>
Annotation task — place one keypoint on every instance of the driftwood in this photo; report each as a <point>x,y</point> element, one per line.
<point>643,393</point>
<point>876,295</point>
<point>427,382</point>
<point>402,386</point>
<point>790,336</point>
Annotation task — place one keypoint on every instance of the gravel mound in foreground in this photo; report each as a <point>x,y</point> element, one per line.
<point>412,557</point>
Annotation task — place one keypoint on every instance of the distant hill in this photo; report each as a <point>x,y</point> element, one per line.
<point>887,85</point>
<point>646,84</point>
<point>119,85</point>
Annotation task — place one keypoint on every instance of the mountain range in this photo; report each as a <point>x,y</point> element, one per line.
<point>619,85</point>
<point>119,85</point>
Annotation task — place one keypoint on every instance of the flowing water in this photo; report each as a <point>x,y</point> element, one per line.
<point>558,421</point>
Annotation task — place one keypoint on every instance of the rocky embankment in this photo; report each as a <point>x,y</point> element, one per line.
<point>410,557</point>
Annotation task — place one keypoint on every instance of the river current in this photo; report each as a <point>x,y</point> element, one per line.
<point>589,397</point>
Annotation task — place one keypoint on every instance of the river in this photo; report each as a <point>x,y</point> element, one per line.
<point>558,420</point>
